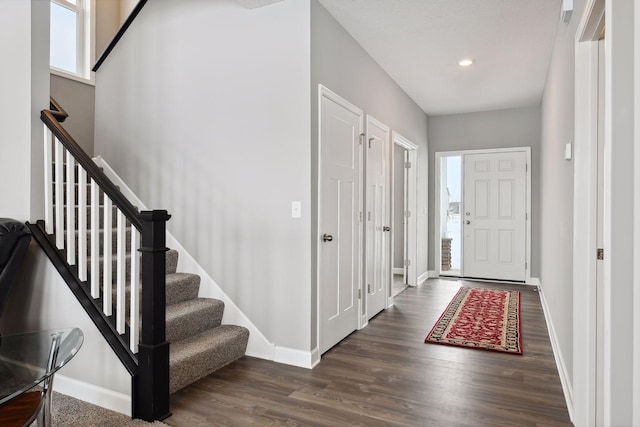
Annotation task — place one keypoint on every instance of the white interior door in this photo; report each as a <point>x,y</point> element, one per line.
<point>494,220</point>
<point>339,223</point>
<point>378,212</point>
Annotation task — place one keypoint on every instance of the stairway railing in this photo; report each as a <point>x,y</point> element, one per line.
<point>73,244</point>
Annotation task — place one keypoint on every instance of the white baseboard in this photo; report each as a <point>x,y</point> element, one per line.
<point>432,273</point>
<point>557,354</point>
<point>424,276</point>
<point>294,357</point>
<point>533,281</point>
<point>258,346</point>
<point>118,402</point>
<point>397,270</point>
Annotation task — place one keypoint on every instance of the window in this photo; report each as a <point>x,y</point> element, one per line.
<point>71,42</point>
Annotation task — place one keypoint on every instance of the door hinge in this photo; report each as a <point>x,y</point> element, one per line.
<point>369,289</point>
<point>526,216</point>
<point>525,265</point>
<point>407,165</point>
<point>360,216</point>
<point>407,262</point>
<point>359,293</point>
<point>600,254</point>
<point>369,216</point>
<point>361,138</point>
<point>407,214</point>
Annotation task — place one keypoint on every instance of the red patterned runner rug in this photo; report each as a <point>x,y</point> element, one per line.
<point>480,318</point>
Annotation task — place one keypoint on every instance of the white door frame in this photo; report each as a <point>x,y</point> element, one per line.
<point>412,206</point>
<point>582,400</point>
<point>437,243</point>
<point>323,91</point>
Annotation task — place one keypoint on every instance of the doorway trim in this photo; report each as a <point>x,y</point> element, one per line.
<point>412,206</point>
<point>437,243</point>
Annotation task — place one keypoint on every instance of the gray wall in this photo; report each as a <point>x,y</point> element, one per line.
<point>490,129</point>
<point>204,110</point>
<point>556,187</point>
<point>78,100</point>
<point>342,65</point>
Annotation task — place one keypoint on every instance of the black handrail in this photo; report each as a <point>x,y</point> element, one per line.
<point>105,184</point>
<point>150,378</point>
<point>136,10</point>
<point>57,111</point>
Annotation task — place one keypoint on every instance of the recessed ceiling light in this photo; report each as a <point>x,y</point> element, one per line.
<point>465,62</point>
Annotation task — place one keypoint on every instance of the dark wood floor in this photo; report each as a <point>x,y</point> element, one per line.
<point>386,375</point>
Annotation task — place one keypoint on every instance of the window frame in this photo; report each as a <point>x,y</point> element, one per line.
<point>85,42</point>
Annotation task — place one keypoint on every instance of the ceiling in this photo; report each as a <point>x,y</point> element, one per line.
<point>419,44</point>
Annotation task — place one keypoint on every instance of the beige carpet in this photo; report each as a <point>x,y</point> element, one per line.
<point>67,411</point>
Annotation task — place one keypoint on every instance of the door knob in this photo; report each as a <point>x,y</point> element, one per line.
<point>468,222</point>
<point>327,237</point>
<point>386,228</point>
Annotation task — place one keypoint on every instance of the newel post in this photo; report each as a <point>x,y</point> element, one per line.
<point>151,385</point>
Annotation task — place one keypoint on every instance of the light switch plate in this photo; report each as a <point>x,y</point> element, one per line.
<point>296,209</point>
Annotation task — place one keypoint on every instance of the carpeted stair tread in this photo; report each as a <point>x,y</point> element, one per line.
<point>200,355</point>
<point>191,317</point>
<point>182,287</point>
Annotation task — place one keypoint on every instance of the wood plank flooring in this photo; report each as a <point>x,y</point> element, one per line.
<point>385,375</point>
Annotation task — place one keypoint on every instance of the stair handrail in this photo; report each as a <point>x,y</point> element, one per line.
<point>48,117</point>
<point>125,25</point>
<point>150,381</point>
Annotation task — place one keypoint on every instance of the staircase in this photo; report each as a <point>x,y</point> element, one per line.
<point>99,242</point>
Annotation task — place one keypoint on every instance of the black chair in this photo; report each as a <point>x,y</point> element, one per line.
<point>14,241</point>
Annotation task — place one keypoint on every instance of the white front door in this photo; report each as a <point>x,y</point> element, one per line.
<point>339,219</point>
<point>494,220</point>
<point>378,214</point>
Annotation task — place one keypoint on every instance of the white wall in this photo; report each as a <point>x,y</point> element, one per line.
<point>518,127</point>
<point>40,299</point>
<point>204,110</point>
<point>24,43</point>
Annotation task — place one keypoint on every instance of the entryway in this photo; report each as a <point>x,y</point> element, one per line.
<point>483,214</point>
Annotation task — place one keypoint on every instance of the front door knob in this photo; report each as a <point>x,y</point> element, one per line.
<point>327,237</point>
<point>468,222</point>
<point>386,228</point>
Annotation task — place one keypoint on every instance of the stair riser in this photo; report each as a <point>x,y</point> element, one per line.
<point>114,246</point>
<point>207,358</point>
<point>195,322</point>
<point>176,291</point>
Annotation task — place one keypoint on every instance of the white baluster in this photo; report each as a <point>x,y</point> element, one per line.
<point>71,207</point>
<point>59,195</point>
<point>48,181</point>
<point>106,257</point>
<point>82,223</point>
<point>95,240</point>
<point>121,273</point>
<point>134,316</point>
